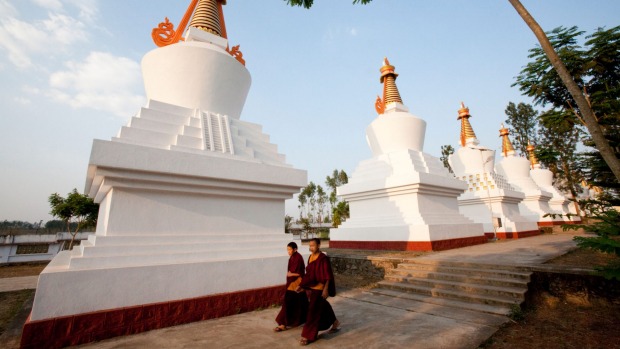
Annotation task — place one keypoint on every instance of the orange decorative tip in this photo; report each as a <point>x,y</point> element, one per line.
<point>390,91</point>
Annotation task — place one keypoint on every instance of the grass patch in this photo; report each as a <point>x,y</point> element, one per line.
<point>10,305</point>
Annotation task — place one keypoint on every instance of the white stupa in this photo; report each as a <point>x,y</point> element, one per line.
<point>516,170</point>
<point>489,199</point>
<point>402,198</point>
<point>544,179</point>
<point>191,202</point>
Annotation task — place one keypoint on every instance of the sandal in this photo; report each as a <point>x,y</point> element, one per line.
<point>304,341</point>
<point>279,329</point>
<point>335,327</point>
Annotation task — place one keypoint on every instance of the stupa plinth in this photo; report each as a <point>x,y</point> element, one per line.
<point>402,198</point>
<point>516,170</point>
<point>544,179</point>
<point>489,198</point>
<point>191,205</point>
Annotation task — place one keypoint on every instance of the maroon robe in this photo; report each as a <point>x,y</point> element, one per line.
<point>320,313</point>
<point>294,305</point>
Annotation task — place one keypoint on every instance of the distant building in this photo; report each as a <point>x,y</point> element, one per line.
<point>23,248</point>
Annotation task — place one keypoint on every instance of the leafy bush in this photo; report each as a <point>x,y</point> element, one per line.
<point>606,226</point>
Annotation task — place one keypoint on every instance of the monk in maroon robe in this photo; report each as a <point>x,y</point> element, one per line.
<point>318,283</point>
<point>295,304</point>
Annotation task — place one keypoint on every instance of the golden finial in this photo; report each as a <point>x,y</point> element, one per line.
<point>506,144</point>
<point>530,150</point>
<point>467,131</point>
<point>388,79</point>
<point>165,34</point>
<point>207,16</point>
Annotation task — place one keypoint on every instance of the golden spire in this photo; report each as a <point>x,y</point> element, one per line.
<point>506,144</point>
<point>390,91</point>
<point>208,16</point>
<point>530,150</point>
<point>467,131</point>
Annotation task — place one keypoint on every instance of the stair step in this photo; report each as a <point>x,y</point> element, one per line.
<point>396,274</point>
<point>486,270</point>
<point>470,288</point>
<point>452,294</point>
<point>484,308</point>
<point>466,265</point>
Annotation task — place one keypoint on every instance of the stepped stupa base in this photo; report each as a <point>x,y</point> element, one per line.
<point>404,200</point>
<point>181,237</point>
<point>143,282</point>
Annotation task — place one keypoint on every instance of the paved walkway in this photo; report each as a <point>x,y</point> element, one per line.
<point>18,283</point>
<point>528,251</point>
<point>368,322</point>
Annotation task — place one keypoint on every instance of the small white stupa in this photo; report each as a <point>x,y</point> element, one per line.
<point>544,179</point>
<point>490,199</point>
<point>516,170</point>
<point>402,198</point>
<point>191,203</point>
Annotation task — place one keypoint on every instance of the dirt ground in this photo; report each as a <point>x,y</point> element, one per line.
<point>567,321</point>
<point>26,269</point>
<point>10,304</point>
<point>584,258</point>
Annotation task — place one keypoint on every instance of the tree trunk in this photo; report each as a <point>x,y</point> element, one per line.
<point>571,186</point>
<point>592,125</point>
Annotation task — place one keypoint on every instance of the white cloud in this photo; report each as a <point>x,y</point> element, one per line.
<point>24,40</point>
<point>101,82</point>
<point>88,9</point>
<point>55,5</point>
<point>353,31</point>
<point>7,10</point>
<point>22,100</point>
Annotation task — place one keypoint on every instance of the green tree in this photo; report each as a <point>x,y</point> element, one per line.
<point>596,69</point>
<point>55,224</point>
<point>606,227</point>
<point>446,151</point>
<point>321,200</point>
<point>76,208</point>
<point>570,82</point>
<point>523,121</point>
<point>557,151</point>
<point>340,213</point>
<point>337,179</point>
<point>288,221</point>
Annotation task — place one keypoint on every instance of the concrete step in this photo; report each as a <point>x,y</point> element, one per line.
<point>481,270</point>
<point>463,296</point>
<point>517,293</point>
<point>505,279</point>
<point>484,308</point>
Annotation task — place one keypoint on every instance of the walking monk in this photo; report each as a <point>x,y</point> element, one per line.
<point>295,305</point>
<point>318,284</point>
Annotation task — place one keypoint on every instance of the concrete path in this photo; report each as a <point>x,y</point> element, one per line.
<point>368,320</point>
<point>528,251</point>
<point>18,283</point>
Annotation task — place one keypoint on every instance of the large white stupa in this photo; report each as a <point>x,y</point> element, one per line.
<point>489,199</point>
<point>191,203</point>
<point>402,198</point>
<point>544,179</point>
<point>516,170</point>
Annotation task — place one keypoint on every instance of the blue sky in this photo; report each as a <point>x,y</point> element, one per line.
<point>70,73</point>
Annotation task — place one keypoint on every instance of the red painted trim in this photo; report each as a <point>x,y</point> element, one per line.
<point>550,224</point>
<point>438,245</point>
<point>514,235</point>
<point>89,327</point>
<point>545,224</point>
